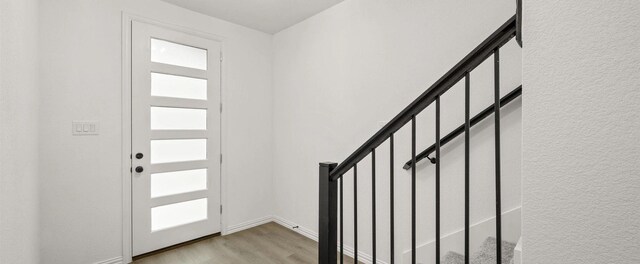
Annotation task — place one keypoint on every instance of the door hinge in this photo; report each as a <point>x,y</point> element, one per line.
<point>221,57</point>
<point>220,209</point>
<point>220,158</point>
<point>220,107</point>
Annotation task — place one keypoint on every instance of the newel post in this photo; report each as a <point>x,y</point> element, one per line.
<point>328,216</point>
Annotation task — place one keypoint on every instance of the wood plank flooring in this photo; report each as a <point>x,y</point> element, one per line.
<point>268,243</point>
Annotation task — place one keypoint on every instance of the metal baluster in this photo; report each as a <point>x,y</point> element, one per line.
<point>496,57</point>
<point>467,128</point>
<point>438,179</point>
<point>391,200</point>
<point>373,202</point>
<point>355,213</point>
<point>413,190</point>
<point>341,222</point>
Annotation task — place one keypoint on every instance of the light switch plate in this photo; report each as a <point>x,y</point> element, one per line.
<point>83,128</point>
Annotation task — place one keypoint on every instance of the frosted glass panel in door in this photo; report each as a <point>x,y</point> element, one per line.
<point>176,54</point>
<point>168,85</point>
<point>176,150</point>
<point>171,118</point>
<point>176,214</point>
<point>175,182</point>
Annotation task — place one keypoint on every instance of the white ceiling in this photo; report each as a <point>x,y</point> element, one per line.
<point>268,16</point>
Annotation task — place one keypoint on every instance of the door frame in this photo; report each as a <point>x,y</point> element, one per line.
<point>127,214</point>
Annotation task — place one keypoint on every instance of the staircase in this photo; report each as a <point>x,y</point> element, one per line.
<point>485,255</point>
<point>331,198</point>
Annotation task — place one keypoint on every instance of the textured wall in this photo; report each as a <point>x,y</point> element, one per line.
<point>19,131</point>
<point>581,110</point>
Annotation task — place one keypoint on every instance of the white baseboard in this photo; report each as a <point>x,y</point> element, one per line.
<point>116,260</point>
<point>248,224</point>
<point>348,250</point>
<point>296,228</point>
<point>517,252</point>
<point>479,231</point>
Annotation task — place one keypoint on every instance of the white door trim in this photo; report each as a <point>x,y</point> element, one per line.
<point>127,225</point>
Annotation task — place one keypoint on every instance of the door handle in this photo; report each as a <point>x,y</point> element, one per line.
<point>139,169</point>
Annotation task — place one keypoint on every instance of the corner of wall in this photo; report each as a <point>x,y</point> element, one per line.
<point>19,175</point>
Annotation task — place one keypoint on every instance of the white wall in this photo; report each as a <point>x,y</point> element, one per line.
<point>340,75</point>
<point>581,120</point>
<point>81,187</point>
<point>18,131</point>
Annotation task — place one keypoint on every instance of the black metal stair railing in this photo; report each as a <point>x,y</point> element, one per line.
<point>332,173</point>
<point>461,129</point>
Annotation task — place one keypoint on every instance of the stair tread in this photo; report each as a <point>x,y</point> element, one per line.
<point>453,258</point>
<point>485,255</point>
<point>487,252</point>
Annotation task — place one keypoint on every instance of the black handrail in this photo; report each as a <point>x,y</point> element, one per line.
<point>468,63</point>
<point>456,132</point>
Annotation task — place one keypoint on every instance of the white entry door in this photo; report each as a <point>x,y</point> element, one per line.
<point>175,137</point>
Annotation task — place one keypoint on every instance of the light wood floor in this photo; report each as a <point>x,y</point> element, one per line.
<point>268,243</point>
